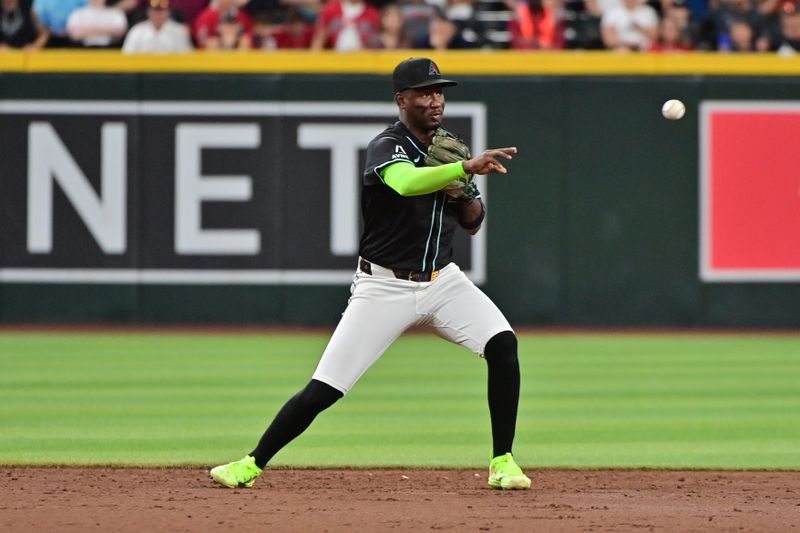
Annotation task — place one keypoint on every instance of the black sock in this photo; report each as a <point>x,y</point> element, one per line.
<point>501,358</point>
<point>293,418</point>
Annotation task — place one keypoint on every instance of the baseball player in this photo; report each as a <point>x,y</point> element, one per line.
<point>417,189</point>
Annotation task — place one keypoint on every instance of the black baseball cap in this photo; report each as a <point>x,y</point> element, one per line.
<point>418,72</point>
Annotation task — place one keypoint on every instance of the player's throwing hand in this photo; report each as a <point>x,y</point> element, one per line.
<point>487,162</point>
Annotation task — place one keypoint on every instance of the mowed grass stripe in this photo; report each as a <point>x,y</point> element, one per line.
<point>695,401</point>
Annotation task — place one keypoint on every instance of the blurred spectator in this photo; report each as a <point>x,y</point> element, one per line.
<point>231,35</point>
<point>598,8</point>
<point>772,11</point>
<point>20,27</point>
<point>274,9</point>
<point>584,27</point>
<point>459,10</point>
<point>418,16</point>
<point>774,7</point>
<point>158,34</point>
<point>133,9</point>
<point>698,9</point>
<point>96,25</point>
<point>741,36</point>
<point>258,8</point>
<point>127,6</point>
<point>443,34</point>
<point>678,11</point>
<point>185,11</point>
<point>671,37</point>
<point>124,5</point>
<point>392,34</point>
<point>346,25</point>
<point>632,26</point>
<point>789,43</point>
<point>535,25</point>
<point>54,14</point>
<point>223,25</point>
<point>293,31</point>
<point>717,27</point>
<point>462,12</point>
<point>296,31</point>
<point>265,25</point>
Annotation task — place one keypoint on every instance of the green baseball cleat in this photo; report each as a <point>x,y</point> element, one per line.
<point>505,473</point>
<point>241,473</point>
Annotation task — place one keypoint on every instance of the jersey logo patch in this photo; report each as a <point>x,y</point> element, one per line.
<point>399,153</point>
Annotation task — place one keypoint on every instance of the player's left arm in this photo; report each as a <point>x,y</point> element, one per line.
<point>471,212</point>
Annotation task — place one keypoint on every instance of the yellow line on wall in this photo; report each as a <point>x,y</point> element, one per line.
<point>489,62</point>
<point>12,61</point>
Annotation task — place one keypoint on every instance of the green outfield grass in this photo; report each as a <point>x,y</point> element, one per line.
<point>658,401</point>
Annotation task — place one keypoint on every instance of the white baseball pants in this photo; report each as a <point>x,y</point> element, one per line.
<point>382,307</point>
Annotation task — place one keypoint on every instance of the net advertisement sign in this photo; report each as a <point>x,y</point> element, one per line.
<point>749,191</point>
<point>156,192</point>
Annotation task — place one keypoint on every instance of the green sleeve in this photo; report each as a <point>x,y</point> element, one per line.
<point>408,180</point>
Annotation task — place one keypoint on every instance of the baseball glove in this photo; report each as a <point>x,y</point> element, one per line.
<point>446,148</point>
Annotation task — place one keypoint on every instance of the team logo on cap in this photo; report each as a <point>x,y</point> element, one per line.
<point>433,70</point>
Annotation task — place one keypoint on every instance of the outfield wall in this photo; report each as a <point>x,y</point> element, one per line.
<point>115,205</point>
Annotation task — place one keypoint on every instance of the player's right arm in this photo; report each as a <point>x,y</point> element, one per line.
<point>388,162</point>
<point>408,180</point>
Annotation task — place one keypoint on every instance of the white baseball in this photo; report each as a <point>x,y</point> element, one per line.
<point>673,109</point>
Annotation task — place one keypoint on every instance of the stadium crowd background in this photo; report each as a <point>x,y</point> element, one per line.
<point>172,26</point>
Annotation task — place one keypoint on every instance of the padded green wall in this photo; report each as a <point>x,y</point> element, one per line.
<point>596,224</point>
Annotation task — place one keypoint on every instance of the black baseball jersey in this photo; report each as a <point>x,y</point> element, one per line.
<point>403,232</point>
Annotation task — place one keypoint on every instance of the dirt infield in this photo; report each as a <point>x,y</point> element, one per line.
<point>100,499</point>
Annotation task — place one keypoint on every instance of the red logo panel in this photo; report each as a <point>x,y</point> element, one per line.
<point>750,187</point>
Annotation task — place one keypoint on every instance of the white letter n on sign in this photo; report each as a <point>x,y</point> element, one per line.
<point>49,161</point>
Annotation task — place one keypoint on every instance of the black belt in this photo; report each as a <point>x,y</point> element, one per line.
<point>399,273</point>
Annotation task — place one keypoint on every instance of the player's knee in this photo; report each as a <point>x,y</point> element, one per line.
<point>318,396</point>
<point>502,348</point>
